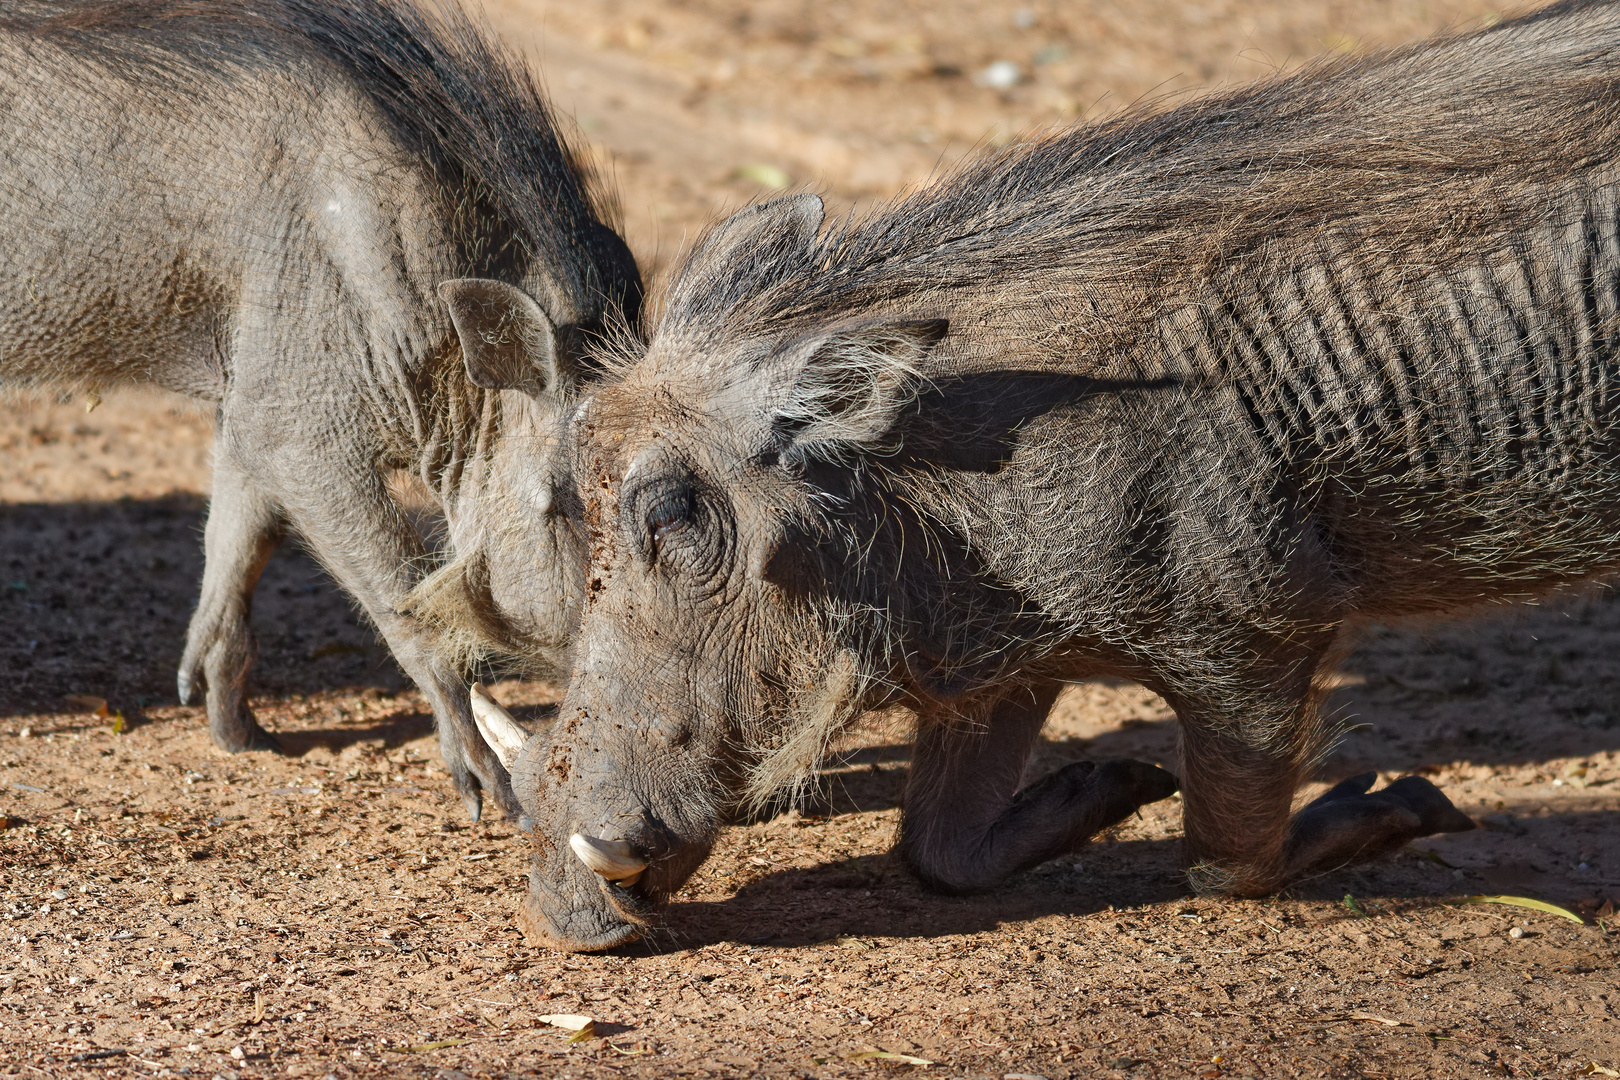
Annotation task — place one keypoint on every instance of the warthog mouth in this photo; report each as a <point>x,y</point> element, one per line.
<point>618,920</point>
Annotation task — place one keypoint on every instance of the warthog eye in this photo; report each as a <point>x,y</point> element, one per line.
<point>669,514</point>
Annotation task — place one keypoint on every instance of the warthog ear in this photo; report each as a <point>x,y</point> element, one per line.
<point>848,385</point>
<point>794,218</point>
<point>508,342</point>
<point>746,253</point>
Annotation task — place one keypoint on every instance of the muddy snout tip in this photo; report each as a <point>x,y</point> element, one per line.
<point>615,860</point>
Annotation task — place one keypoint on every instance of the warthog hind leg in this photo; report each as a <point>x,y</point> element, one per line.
<point>1348,824</point>
<point>242,531</point>
<point>967,826</point>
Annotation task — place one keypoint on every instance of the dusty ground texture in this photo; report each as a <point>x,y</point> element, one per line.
<point>169,910</point>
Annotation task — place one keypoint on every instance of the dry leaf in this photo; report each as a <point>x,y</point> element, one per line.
<point>1598,1070</point>
<point>884,1055</point>
<point>86,703</point>
<point>118,722</point>
<point>258,1007</point>
<point>1527,902</point>
<point>628,1053</point>
<point>1386,1021</point>
<point>768,177</point>
<point>844,941</point>
<point>567,1021</point>
<point>586,1032</point>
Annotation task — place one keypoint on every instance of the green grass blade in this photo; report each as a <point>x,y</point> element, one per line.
<point>1527,902</point>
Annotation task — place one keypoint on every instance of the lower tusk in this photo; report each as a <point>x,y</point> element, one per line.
<point>615,860</point>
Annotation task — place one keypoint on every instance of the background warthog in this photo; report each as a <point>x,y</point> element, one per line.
<point>1178,398</point>
<point>260,205</point>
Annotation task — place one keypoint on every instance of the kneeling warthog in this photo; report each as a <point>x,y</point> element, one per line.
<point>290,208</point>
<point>1179,398</point>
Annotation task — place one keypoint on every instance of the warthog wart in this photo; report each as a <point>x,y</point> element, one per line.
<point>290,208</point>
<point>1180,398</point>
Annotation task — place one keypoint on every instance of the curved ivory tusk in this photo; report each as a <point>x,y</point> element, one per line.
<point>496,725</point>
<point>615,860</point>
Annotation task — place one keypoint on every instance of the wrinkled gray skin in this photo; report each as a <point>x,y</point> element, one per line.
<point>280,209</point>
<point>1180,399</point>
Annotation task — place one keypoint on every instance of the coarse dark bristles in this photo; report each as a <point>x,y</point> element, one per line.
<point>1373,150</point>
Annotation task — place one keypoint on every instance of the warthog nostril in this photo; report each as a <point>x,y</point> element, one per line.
<point>615,860</point>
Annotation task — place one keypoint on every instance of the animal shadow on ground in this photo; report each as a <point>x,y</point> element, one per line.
<point>874,896</point>
<point>95,598</point>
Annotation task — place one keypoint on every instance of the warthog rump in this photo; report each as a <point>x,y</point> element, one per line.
<point>1179,398</point>
<point>290,208</point>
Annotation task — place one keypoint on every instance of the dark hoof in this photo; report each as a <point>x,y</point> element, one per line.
<point>1346,789</point>
<point>1106,794</point>
<point>1137,780</point>
<point>1430,804</point>
<point>1348,825</point>
<point>474,791</point>
<point>254,738</point>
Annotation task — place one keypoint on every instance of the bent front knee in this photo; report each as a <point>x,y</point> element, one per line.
<point>949,870</point>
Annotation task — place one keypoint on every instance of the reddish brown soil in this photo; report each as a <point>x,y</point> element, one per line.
<point>332,912</point>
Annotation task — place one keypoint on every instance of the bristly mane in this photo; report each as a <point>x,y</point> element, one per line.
<point>452,93</point>
<point>1369,151</point>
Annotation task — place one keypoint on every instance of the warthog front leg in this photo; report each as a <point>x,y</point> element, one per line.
<point>243,529</point>
<point>339,505</point>
<point>967,826</point>
<point>1239,779</point>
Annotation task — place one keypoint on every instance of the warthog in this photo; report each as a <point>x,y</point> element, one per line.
<point>1179,398</point>
<point>280,207</point>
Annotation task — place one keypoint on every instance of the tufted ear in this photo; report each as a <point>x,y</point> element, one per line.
<point>792,220</point>
<point>846,385</point>
<point>508,342</point>
<point>745,253</point>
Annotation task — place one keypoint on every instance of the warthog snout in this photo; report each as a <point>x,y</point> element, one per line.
<point>612,837</point>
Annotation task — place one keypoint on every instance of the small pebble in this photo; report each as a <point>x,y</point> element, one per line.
<point>26,733</point>
<point>58,894</point>
<point>1516,933</point>
<point>236,1052</point>
<point>1001,75</point>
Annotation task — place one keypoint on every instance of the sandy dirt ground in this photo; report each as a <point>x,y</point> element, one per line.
<point>169,910</point>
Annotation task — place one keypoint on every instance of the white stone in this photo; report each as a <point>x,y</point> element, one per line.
<point>1001,75</point>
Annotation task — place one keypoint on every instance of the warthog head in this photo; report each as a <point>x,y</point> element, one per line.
<point>727,628</point>
<point>513,589</point>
